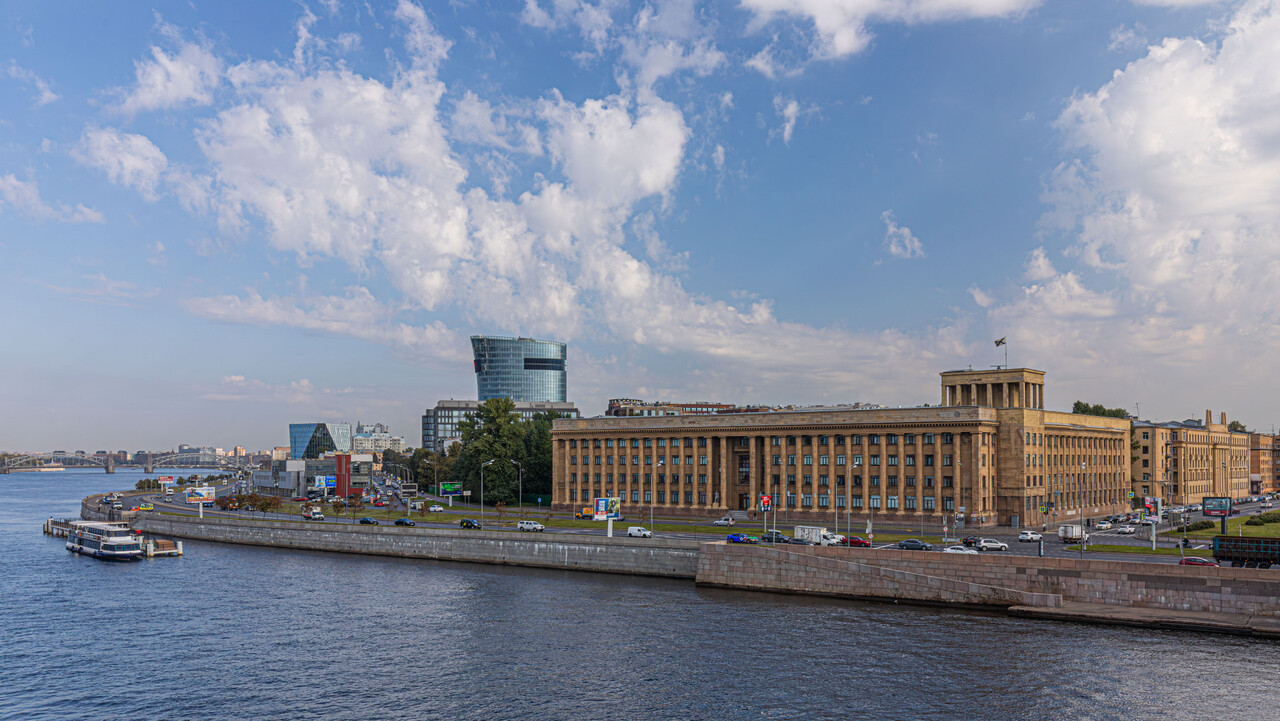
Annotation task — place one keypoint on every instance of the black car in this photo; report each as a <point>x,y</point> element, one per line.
<point>774,537</point>
<point>470,523</point>
<point>405,522</point>
<point>800,542</point>
<point>367,521</point>
<point>970,541</point>
<point>912,544</point>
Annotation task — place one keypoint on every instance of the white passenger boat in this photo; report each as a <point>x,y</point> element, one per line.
<point>112,541</point>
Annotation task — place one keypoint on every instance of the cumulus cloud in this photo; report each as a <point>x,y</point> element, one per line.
<point>24,196</point>
<point>128,159</point>
<point>185,77</point>
<point>899,240</point>
<point>841,26</point>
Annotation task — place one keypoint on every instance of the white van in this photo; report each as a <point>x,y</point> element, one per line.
<point>530,526</point>
<point>639,532</point>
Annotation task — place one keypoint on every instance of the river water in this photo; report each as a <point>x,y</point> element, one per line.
<point>231,632</point>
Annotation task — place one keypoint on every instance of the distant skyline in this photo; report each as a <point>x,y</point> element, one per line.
<point>220,218</point>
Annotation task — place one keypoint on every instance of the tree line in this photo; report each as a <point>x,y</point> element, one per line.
<point>494,432</point>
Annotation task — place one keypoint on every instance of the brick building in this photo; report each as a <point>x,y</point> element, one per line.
<point>990,448</point>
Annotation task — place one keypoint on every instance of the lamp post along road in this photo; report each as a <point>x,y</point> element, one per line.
<point>1080,497</point>
<point>482,465</point>
<point>516,463</point>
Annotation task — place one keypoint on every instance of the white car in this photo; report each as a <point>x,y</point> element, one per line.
<point>959,549</point>
<point>436,509</point>
<point>639,532</point>
<point>1126,530</point>
<point>991,544</point>
<point>1103,525</point>
<point>726,521</point>
<point>1028,536</point>
<point>530,526</point>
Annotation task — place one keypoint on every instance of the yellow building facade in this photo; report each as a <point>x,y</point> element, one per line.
<point>1182,462</point>
<point>990,449</point>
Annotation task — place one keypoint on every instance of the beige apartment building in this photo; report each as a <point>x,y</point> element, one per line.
<point>1181,462</point>
<point>1262,469</point>
<point>990,449</point>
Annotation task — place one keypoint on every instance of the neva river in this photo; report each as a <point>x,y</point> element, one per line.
<point>232,632</point>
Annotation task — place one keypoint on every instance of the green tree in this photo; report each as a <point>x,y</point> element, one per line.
<point>492,433</point>
<point>1237,427</point>
<point>1097,409</point>
<point>537,452</point>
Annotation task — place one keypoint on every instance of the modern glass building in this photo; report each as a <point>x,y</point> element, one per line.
<point>522,369</point>
<point>312,440</point>
<point>440,424</point>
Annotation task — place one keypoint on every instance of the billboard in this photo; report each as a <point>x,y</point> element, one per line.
<point>200,494</point>
<point>451,489</point>
<point>326,481</point>
<point>165,480</point>
<point>1214,506</point>
<point>408,489</point>
<point>607,509</point>
<point>765,502</point>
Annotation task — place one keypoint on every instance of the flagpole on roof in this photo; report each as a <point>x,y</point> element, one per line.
<point>1002,342</point>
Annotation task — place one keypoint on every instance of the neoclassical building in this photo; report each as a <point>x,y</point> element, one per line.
<point>990,449</point>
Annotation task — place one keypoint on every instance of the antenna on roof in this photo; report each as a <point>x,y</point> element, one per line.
<point>1138,405</point>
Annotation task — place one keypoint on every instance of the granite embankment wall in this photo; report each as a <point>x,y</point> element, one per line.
<point>649,557</point>
<point>990,579</point>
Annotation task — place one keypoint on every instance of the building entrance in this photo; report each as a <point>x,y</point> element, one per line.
<point>744,501</point>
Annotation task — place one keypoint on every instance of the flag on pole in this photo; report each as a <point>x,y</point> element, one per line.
<point>1000,342</point>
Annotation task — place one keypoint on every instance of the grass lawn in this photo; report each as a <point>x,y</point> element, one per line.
<point>1103,548</point>
<point>1234,526</point>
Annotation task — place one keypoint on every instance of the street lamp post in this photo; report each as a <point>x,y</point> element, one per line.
<point>1080,498</point>
<point>516,463</point>
<point>482,465</point>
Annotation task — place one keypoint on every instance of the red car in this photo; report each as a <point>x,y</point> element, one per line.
<point>854,541</point>
<point>1197,561</point>
<point>379,504</point>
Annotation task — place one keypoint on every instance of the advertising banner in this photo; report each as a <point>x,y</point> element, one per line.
<point>766,502</point>
<point>601,512</point>
<point>614,509</point>
<point>165,480</point>
<point>200,494</point>
<point>1214,506</point>
<point>326,481</point>
<point>451,489</point>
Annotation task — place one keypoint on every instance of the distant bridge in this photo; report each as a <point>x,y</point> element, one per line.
<point>159,460</point>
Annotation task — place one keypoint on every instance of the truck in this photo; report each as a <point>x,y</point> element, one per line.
<point>1072,534</point>
<point>312,513</point>
<point>1243,552</point>
<point>817,535</point>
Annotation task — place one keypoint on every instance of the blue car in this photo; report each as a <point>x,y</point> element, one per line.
<point>741,538</point>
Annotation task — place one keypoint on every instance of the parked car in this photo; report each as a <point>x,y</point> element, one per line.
<point>856,541</point>
<point>1103,525</point>
<point>530,526</point>
<point>436,509</point>
<point>797,541</point>
<point>300,499</point>
<point>405,522</point>
<point>1126,530</point>
<point>726,521</point>
<point>367,521</point>
<point>470,523</point>
<point>379,504</point>
<point>741,538</point>
<point>774,536</point>
<point>639,532</point>
<point>959,549</point>
<point>1197,561</point>
<point>991,544</point>
<point>970,541</point>
<point>1029,536</point>
<point>913,544</point>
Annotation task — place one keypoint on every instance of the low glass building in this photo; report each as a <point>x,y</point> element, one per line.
<point>522,369</point>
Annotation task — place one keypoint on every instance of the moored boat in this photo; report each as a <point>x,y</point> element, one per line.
<point>112,541</point>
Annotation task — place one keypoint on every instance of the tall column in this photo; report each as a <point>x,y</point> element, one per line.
<point>722,471</point>
<point>754,486</point>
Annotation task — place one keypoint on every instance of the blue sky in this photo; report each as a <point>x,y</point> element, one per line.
<point>217,218</point>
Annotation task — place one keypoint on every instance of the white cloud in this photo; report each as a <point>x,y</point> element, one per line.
<point>44,95</point>
<point>1127,38</point>
<point>105,291</point>
<point>186,77</point>
<point>127,158</point>
<point>841,25</point>
<point>899,240</point>
<point>357,314</point>
<point>1039,267</point>
<point>427,47</point>
<point>238,389</point>
<point>24,196</point>
<point>593,21</point>
<point>981,297</point>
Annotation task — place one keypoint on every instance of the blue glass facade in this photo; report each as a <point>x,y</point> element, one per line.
<point>522,369</point>
<point>312,440</point>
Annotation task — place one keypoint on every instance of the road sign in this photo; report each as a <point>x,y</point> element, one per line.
<point>765,503</point>
<point>408,489</point>
<point>1131,494</point>
<point>944,529</point>
<point>1042,509</point>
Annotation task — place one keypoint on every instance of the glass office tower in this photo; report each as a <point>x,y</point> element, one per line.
<point>312,440</point>
<point>522,369</point>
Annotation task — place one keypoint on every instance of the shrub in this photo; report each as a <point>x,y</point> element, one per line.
<point>1263,519</point>
<point>1201,525</point>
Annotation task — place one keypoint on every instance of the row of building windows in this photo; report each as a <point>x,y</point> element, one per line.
<point>873,439</point>
<point>805,500</point>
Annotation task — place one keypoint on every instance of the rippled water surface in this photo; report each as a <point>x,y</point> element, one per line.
<point>231,632</point>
